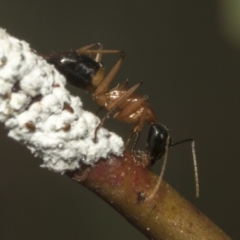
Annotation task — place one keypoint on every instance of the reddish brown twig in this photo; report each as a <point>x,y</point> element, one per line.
<point>125,184</point>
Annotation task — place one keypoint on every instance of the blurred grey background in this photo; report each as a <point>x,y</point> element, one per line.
<point>187,53</point>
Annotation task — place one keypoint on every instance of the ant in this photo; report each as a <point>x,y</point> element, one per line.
<point>85,72</point>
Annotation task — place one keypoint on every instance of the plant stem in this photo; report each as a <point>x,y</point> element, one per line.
<point>125,184</point>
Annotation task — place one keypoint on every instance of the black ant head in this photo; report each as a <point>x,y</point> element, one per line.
<point>80,70</point>
<point>157,141</point>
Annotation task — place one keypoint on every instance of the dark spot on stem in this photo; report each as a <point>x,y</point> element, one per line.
<point>140,197</point>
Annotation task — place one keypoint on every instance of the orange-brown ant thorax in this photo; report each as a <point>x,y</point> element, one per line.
<point>113,95</point>
<point>101,100</point>
<point>150,115</point>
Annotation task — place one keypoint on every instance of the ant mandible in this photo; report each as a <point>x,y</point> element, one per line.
<point>84,72</point>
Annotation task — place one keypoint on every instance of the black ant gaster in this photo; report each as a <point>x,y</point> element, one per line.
<point>84,72</point>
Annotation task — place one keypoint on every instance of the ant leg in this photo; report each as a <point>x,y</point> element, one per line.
<point>100,50</point>
<point>137,129</point>
<point>123,85</point>
<point>90,46</point>
<point>112,107</point>
<point>129,138</point>
<point>98,57</point>
<point>135,141</point>
<point>103,86</point>
<point>99,109</point>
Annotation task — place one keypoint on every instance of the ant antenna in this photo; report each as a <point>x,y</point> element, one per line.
<point>194,161</point>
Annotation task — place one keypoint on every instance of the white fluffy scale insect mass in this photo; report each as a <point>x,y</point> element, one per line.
<point>40,113</point>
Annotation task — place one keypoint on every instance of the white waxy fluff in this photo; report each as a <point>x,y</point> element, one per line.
<point>41,114</point>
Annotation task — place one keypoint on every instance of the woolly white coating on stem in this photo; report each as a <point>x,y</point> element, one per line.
<point>40,113</point>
